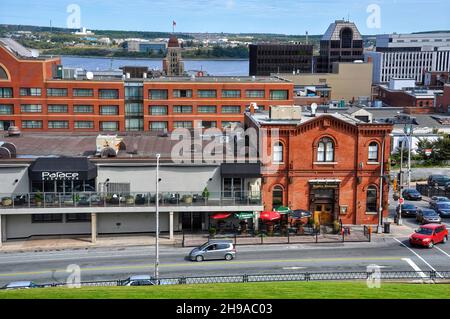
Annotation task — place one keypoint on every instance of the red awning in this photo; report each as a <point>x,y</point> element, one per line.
<point>270,216</point>
<point>221,215</point>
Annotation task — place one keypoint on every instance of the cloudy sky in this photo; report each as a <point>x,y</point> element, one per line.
<point>239,16</point>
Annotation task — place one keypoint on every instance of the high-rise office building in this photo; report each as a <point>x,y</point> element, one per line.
<point>342,42</point>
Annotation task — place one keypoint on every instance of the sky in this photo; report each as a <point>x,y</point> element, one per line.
<point>234,16</point>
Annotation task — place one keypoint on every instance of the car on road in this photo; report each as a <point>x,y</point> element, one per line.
<point>429,235</point>
<point>214,249</point>
<point>426,216</point>
<point>442,208</point>
<point>438,180</point>
<point>21,285</point>
<point>408,210</point>
<point>436,199</point>
<point>411,194</point>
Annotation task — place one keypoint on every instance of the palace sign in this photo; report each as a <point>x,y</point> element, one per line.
<point>59,176</point>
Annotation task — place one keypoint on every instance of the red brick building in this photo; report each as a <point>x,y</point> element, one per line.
<point>443,101</point>
<point>35,95</point>
<point>329,164</point>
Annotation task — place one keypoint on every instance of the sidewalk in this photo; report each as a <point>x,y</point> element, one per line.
<point>84,242</point>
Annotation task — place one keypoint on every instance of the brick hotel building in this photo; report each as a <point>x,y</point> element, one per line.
<point>35,96</point>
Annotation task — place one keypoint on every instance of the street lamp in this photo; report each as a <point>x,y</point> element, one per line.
<point>157,219</point>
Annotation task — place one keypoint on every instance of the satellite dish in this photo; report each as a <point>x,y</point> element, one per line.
<point>89,75</point>
<point>313,108</point>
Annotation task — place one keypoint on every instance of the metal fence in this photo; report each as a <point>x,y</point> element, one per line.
<point>304,276</point>
<point>431,191</point>
<point>325,234</point>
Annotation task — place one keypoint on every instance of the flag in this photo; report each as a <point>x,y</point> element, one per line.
<point>174,23</point>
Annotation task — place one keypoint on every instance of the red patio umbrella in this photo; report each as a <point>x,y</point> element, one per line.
<point>270,216</point>
<point>220,215</point>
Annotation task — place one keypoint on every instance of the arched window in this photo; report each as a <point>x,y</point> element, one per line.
<point>373,152</point>
<point>371,199</point>
<point>346,38</point>
<point>325,150</point>
<point>277,197</point>
<point>3,74</point>
<point>277,154</point>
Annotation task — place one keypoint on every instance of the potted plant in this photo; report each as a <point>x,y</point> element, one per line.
<point>205,193</point>
<point>129,199</point>
<point>38,199</point>
<point>212,231</point>
<point>187,199</point>
<point>6,201</point>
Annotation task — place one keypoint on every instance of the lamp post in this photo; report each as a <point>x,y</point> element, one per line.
<point>408,133</point>
<point>157,219</point>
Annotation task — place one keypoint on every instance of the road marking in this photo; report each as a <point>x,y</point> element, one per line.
<point>442,251</point>
<point>293,268</point>
<point>418,256</point>
<point>415,267</point>
<point>205,264</point>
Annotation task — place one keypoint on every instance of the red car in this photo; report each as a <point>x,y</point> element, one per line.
<point>428,235</point>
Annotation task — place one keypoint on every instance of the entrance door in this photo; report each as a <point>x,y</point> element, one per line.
<point>323,213</point>
<point>191,221</point>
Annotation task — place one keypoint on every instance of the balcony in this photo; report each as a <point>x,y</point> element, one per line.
<point>134,202</point>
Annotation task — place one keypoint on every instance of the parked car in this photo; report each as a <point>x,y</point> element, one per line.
<point>447,186</point>
<point>411,194</point>
<point>214,249</point>
<point>437,199</point>
<point>408,210</point>
<point>21,285</point>
<point>426,216</point>
<point>442,208</point>
<point>438,180</point>
<point>145,280</point>
<point>429,235</point>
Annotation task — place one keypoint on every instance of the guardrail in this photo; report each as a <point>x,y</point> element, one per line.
<point>129,199</point>
<point>304,276</point>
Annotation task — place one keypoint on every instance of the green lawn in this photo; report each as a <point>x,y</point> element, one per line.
<point>282,290</point>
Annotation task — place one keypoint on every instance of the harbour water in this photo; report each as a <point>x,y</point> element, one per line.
<point>212,67</point>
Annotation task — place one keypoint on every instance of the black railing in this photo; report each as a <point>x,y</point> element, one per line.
<point>305,276</point>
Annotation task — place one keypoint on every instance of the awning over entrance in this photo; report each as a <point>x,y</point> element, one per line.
<point>244,215</point>
<point>62,168</point>
<point>240,169</point>
<point>221,216</point>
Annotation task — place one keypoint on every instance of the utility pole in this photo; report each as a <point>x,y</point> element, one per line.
<point>157,219</point>
<point>409,130</point>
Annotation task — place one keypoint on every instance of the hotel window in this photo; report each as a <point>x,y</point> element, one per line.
<point>109,110</point>
<point>83,124</point>
<point>371,199</point>
<point>58,124</point>
<point>207,109</point>
<point>158,126</point>
<point>31,124</point>
<point>157,110</point>
<point>255,94</point>
<point>229,124</point>
<point>109,126</point>
<point>373,152</point>
<point>235,109</point>
<point>325,150</point>
<point>134,109</point>
<point>83,109</point>
<point>231,93</point>
<point>207,93</point>
<point>108,93</point>
<point>30,91</point>
<point>56,108</point>
<point>6,109</point>
<point>83,92</point>
<point>182,124</point>
<point>182,93</point>
<point>134,93</point>
<point>277,155</point>
<point>78,218</point>
<point>182,109</point>
<point>279,94</point>
<point>6,92</point>
<point>31,108</point>
<point>57,92</point>
<point>158,94</point>
<point>208,124</point>
<point>134,124</point>
<point>46,218</point>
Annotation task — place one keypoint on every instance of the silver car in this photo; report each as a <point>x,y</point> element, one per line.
<point>214,249</point>
<point>21,285</point>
